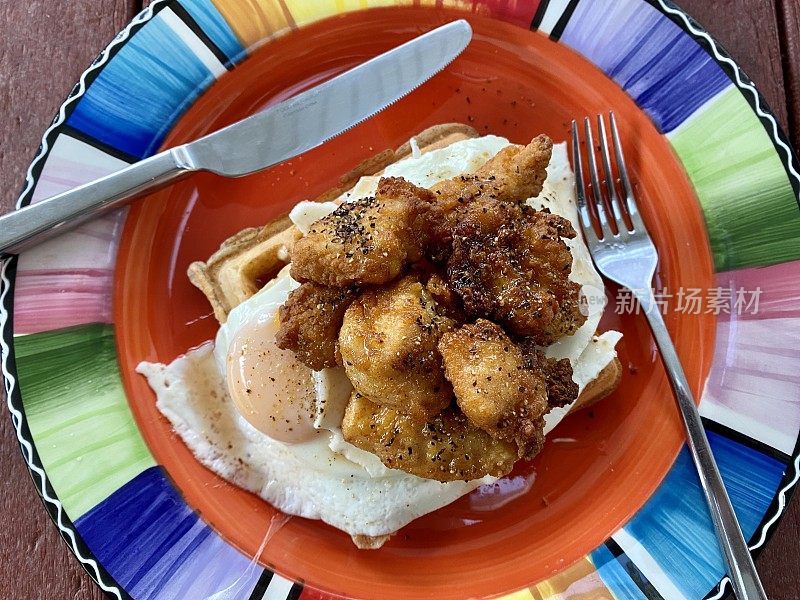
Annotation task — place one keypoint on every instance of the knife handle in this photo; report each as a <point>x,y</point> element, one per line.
<point>37,222</point>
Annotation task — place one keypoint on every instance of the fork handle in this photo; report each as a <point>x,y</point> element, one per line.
<point>37,222</point>
<point>742,571</point>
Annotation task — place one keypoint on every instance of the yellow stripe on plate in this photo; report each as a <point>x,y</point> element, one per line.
<point>520,595</point>
<point>254,21</point>
<point>581,581</point>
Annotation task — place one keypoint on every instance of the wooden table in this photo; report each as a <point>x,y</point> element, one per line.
<point>46,44</point>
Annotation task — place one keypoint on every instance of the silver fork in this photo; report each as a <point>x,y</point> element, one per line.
<point>626,254</point>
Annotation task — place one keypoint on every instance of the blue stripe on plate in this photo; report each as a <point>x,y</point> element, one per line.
<point>215,27</point>
<point>668,74</point>
<point>155,546</point>
<point>137,97</point>
<point>674,527</point>
<point>618,579</point>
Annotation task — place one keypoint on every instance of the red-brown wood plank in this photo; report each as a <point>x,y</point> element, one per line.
<point>789,18</point>
<point>44,46</point>
<point>749,31</point>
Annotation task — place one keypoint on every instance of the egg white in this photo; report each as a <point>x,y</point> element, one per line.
<point>326,477</point>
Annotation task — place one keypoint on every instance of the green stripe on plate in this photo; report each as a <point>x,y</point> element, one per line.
<point>78,414</point>
<point>750,208</point>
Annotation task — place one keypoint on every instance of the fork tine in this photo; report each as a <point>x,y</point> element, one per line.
<point>633,210</point>
<point>597,193</point>
<point>609,176</point>
<point>580,191</point>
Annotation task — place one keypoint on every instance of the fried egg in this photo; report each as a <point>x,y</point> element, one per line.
<point>258,417</point>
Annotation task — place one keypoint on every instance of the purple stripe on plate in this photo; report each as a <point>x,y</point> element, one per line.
<point>73,162</point>
<point>754,383</point>
<point>68,280</point>
<point>668,74</point>
<point>155,546</point>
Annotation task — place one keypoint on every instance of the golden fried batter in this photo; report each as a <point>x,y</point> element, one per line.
<point>510,264</point>
<point>493,387</point>
<point>446,298</point>
<point>514,174</point>
<point>367,241</point>
<point>310,321</point>
<point>447,448</point>
<point>388,346</point>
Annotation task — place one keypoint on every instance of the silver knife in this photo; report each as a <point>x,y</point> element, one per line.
<point>271,136</point>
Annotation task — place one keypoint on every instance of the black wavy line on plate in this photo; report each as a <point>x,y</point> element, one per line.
<point>189,21</point>
<point>57,126</point>
<point>732,71</point>
<point>788,158</point>
<point>772,511</point>
<point>636,576</point>
<point>70,102</point>
<point>23,430</point>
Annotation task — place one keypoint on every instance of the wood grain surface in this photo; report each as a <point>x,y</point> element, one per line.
<point>46,44</point>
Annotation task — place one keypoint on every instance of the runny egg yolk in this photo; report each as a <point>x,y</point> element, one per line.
<point>271,388</point>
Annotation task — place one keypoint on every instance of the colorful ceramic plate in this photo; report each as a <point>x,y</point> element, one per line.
<point>612,507</point>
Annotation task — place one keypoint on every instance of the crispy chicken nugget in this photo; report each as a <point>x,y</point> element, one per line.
<point>513,175</point>
<point>493,386</point>
<point>368,241</point>
<point>388,347</point>
<point>510,264</point>
<point>310,321</point>
<point>446,448</point>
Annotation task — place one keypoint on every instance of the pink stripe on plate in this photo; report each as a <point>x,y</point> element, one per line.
<point>779,287</point>
<point>754,384</point>
<point>46,300</point>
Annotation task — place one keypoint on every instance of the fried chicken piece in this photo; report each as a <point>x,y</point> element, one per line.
<point>446,448</point>
<point>388,347</point>
<point>561,389</point>
<point>446,298</point>
<point>310,321</point>
<point>510,264</point>
<point>493,385</point>
<point>514,174</point>
<point>367,241</point>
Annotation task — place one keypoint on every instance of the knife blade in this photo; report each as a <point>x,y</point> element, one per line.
<point>266,138</point>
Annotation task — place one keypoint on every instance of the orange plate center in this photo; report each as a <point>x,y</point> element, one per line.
<point>598,467</point>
